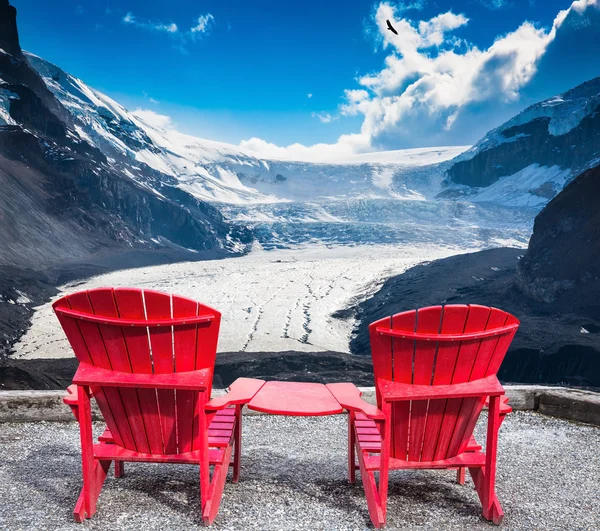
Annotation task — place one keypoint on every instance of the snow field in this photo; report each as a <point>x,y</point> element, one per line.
<point>271,301</point>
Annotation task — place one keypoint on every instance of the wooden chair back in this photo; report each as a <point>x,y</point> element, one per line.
<point>438,345</point>
<point>147,332</point>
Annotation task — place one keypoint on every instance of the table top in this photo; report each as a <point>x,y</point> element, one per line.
<point>295,398</point>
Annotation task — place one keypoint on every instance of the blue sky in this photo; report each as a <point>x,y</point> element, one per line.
<point>231,70</point>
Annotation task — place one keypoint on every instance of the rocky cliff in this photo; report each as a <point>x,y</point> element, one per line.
<point>9,37</point>
<point>562,264</point>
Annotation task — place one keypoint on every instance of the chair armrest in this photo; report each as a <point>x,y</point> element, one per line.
<point>489,386</point>
<point>71,398</point>
<point>505,409</point>
<point>349,397</point>
<point>191,381</point>
<point>240,392</point>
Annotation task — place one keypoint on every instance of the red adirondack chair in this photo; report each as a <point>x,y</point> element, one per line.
<point>147,358</point>
<point>435,369</point>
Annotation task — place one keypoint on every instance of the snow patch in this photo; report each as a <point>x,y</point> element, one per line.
<point>6,96</point>
<point>528,187</point>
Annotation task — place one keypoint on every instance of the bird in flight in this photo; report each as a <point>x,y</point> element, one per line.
<point>391,28</point>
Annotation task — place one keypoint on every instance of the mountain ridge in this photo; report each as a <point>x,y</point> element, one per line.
<point>557,139</point>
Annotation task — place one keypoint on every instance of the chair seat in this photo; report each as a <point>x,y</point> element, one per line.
<point>369,438</point>
<point>220,433</point>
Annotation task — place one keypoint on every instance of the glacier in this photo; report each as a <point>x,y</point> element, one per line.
<point>382,198</point>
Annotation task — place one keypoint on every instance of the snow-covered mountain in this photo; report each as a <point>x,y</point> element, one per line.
<point>529,159</point>
<point>65,200</point>
<point>238,195</point>
<point>215,171</point>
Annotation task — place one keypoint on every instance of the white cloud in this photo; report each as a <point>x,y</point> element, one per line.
<point>204,24</point>
<point>170,27</point>
<point>162,121</point>
<point>324,117</point>
<point>430,79</point>
<point>150,98</point>
<point>347,145</point>
<point>309,95</point>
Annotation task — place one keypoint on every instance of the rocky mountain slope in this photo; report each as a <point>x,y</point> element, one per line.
<point>562,264</point>
<point>530,158</point>
<point>64,199</point>
<point>67,210</point>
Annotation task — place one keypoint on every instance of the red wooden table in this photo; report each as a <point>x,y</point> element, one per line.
<point>295,399</point>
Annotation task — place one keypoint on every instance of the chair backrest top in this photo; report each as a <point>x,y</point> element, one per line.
<point>441,344</point>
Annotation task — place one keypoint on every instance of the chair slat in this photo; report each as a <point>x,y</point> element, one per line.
<point>381,351</point>
<point>501,348</point>
<point>103,303</point>
<point>453,322</point>
<point>403,356</point>
<point>185,360</point>
<point>468,414</point>
<point>428,321</point>
<point>488,346</point>
<point>207,337</point>
<point>158,306</point>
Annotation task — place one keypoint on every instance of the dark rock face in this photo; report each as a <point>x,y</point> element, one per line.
<point>549,346</point>
<point>20,292</point>
<point>562,264</point>
<point>534,146</point>
<point>9,36</point>
<point>531,142</point>
<point>322,367</point>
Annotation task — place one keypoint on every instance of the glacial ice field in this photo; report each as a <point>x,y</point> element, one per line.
<point>270,300</point>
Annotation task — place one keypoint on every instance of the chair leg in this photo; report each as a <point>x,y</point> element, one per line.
<point>212,500</point>
<point>384,473</point>
<point>119,469</point>
<point>376,511</point>
<point>94,472</point>
<point>460,475</point>
<point>237,454</point>
<point>351,448</point>
<point>377,495</point>
<point>485,479</point>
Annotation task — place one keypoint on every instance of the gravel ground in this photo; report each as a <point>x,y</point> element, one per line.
<point>294,477</point>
